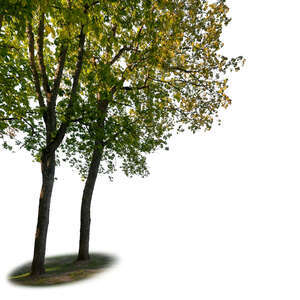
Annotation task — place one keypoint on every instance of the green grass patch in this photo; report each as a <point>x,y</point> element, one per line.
<point>62,269</point>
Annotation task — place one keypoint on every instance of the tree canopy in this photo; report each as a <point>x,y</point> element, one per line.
<point>157,64</point>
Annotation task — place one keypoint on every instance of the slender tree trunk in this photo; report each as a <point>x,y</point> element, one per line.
<point>48,170</point>
<point>85,219</point>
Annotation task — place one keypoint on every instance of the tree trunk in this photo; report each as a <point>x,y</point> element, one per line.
<point>48,170</point>
<point>85,219</point>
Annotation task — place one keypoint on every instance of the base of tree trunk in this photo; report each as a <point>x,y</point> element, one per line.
<point>37,274</point>
<point>83,258</point>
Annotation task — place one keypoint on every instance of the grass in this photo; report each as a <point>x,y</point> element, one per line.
<point>62,269</point>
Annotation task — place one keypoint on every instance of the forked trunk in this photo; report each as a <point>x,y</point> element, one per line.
<point>48,170</point>
<point>85,219</point>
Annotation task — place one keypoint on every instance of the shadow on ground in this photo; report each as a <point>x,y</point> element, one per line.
<point>62,269</point>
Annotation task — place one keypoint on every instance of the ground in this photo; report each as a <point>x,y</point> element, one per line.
<point>62,269</point>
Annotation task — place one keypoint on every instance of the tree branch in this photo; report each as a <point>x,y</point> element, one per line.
<point>64,125</point>
<point>178,68</point>
<point>118,55</point>
<point>18,119</point>
<point>58,74</point>
<point>1,20</point>
<point>8,119</point>
<point>33,68</point>
<point>131,88</point>
<point>94,3</point>
<point>40,43</point>
<point>126,48</point>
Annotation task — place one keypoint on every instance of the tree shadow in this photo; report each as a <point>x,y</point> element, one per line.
<point>62,269</point>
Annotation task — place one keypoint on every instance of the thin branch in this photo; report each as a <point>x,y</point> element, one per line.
<point>178,68</point>
<point>126,48</point>
<point>31,126</point>
<point>112,91</point>
<point>5,45</point>
<point>94,3</point>
<point>18,119</point>
<point>138,35</point>
<point>118,55</point>
<point>40,43</point>
<point>130,88</point>
<point>166,82</point>
<point>8,119</point>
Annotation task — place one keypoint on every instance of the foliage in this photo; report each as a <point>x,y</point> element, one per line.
<point>42,52</point>
<point>155,63</point>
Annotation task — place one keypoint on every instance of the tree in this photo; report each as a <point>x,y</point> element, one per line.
<point>95,81</point>
<point>41,58</point>
<point>156,70</point>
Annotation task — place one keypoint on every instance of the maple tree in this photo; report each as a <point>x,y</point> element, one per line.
<point>102,83</point>
<point>156,71</point>
<point>42,52</point>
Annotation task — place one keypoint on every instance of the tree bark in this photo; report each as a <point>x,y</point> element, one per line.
<point>48,172</point>
<point>49,116</point>
<point>85,218</point>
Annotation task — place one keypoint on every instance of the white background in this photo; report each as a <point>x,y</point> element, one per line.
<point>218,218</point>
